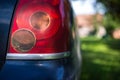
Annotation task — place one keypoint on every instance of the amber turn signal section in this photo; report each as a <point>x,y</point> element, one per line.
<point>40,21</point>
<point>23,40</point>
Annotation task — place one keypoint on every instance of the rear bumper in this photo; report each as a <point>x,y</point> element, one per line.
<point>36,56</point>
<point>37,70</point>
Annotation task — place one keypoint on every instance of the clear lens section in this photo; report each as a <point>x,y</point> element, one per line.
<point>23,40</point>
<point>40,21</point>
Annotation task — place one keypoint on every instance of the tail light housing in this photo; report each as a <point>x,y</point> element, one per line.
<point>39,26</point>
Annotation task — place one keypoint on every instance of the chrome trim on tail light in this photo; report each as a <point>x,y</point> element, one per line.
<point>36,56</point>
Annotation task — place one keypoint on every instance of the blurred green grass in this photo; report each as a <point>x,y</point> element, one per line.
<point>100,59</point>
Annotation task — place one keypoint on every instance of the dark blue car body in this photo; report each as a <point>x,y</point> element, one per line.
<point>6,11</point>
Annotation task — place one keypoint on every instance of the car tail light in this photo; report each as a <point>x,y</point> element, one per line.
<point>39,27</point>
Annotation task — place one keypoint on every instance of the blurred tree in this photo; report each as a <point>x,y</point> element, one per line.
<point>112,18</point>
<point>113,7</point>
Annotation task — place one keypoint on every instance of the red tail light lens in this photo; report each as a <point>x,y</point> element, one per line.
<point>39,16</point>
<point>39,26</point>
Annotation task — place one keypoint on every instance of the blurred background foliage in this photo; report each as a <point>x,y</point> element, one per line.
<point>112,16</point>
<point>111,23</point>
<point>101,57</point>
<point>112,7</point>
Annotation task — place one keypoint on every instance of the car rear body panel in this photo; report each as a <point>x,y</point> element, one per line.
<point>6,12</point>
<point>37,70</point>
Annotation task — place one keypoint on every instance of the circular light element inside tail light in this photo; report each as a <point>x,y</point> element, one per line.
<point>40,21</point>
<point>23,40</point>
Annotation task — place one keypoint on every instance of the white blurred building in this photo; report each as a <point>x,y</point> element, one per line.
<point>86,12</point>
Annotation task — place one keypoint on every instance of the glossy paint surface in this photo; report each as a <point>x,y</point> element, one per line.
<point>6,11</point>
<point>38,70</point>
